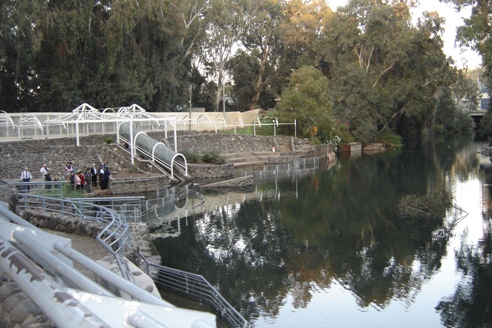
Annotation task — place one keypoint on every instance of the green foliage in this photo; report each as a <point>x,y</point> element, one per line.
<point>213,158</point>
<point>339,135</point>
<point>377,60</point>
<point>449,120</point>
<point>307,101</point>
<point>389,137</point>
<point>190,157</point>
<point>485,128</point>
<point>108,140</point>
<point>476,30</point>
<point>69,192</point>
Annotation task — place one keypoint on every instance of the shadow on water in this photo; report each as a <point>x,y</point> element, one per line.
<point>293,239</point>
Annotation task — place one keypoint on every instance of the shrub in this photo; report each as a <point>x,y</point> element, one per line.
<point>190,157</point>
<point>213,158</point>
<point>388,137</point>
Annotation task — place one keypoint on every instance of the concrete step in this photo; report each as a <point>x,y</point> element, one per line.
<point>252,154</point>
<point>248,164</point>
<point>247,159</point>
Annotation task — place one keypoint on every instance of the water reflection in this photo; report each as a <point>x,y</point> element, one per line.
<point>336,230</point>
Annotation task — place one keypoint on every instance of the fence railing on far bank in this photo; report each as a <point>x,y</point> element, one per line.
<point>86,120</point>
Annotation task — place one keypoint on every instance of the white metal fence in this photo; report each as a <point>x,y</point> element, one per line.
<point>86,120</point>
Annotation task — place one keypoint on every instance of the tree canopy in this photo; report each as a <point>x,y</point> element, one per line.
<point>381,71</point>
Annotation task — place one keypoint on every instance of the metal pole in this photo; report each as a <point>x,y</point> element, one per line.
<point>124,285</point>
<point>132,146</point>
<point>68,272</point>
<point>191,88</point>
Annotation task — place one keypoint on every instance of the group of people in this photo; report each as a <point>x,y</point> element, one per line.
<point>84,181</point>
<point>79,180</point>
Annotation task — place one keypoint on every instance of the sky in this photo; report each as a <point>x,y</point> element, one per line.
<point>463,57</point>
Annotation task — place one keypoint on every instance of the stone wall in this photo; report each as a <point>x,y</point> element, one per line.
<point>57,152</point>
<point>210,171</point>
<point>202,143</point>
<point>139,185</point>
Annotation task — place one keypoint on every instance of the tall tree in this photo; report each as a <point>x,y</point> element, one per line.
<point>262,41</point>
<point>477,29</point>
<point>20,37</point>
<point>384,71</point>
<point>225,25</point>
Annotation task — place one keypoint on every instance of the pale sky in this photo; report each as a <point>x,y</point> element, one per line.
<point>462,58</point>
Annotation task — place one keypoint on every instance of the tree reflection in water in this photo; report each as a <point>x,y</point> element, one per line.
<point>295,237</point>
<point>471,304</point>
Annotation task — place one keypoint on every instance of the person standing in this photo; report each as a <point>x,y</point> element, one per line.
<point>105,178</point>
<point>76,181</point>
<point>26,177</point>
<point>102,167</point>
<point>94,175</point>
<point>88,178</point>
<point>45,172</point>
<point>82,180</point>
<point>69,169</point>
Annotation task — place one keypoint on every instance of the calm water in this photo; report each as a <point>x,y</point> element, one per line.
<point>328,249</point>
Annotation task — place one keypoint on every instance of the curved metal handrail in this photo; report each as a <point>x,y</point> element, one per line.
<point>113,236</point>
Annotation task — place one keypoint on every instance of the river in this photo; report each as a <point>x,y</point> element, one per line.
<point>329,249</point>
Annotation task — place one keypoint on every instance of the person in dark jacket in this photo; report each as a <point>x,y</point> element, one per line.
<point>105,178</point>
<point>94,172</point>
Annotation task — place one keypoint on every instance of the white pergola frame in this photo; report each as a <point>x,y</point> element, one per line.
<point>85,113</point>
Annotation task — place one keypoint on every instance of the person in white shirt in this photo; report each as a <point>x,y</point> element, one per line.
<point>45,172</point>
<point>26,177</point>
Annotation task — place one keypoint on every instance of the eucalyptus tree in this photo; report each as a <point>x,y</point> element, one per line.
<point>476,33</point>
<point>226,22</point>
<point>477,29</point>
<point>154,42</point>
<point>21,33</point>
<point>262,41</point>
<point>384,71</point>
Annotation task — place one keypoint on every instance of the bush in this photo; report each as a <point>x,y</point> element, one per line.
<point>388,137</point>
<point>108,140</point>
<point>190,157</point>
<point>213,158</point>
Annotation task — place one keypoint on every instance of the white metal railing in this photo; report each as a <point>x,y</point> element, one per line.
<point>116,234</point>
<point>86,120</point>
<point>113,236</point>
<point>71,299</point>
<point>196,286</point>
<point>182,166</point>
<point>172,200</point>
<point>297,167</point>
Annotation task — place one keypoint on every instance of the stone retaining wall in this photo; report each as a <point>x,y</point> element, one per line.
<point>205,171</point>
<point>57,152</point>
<point>139,185</point>
<point>202,143</point>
